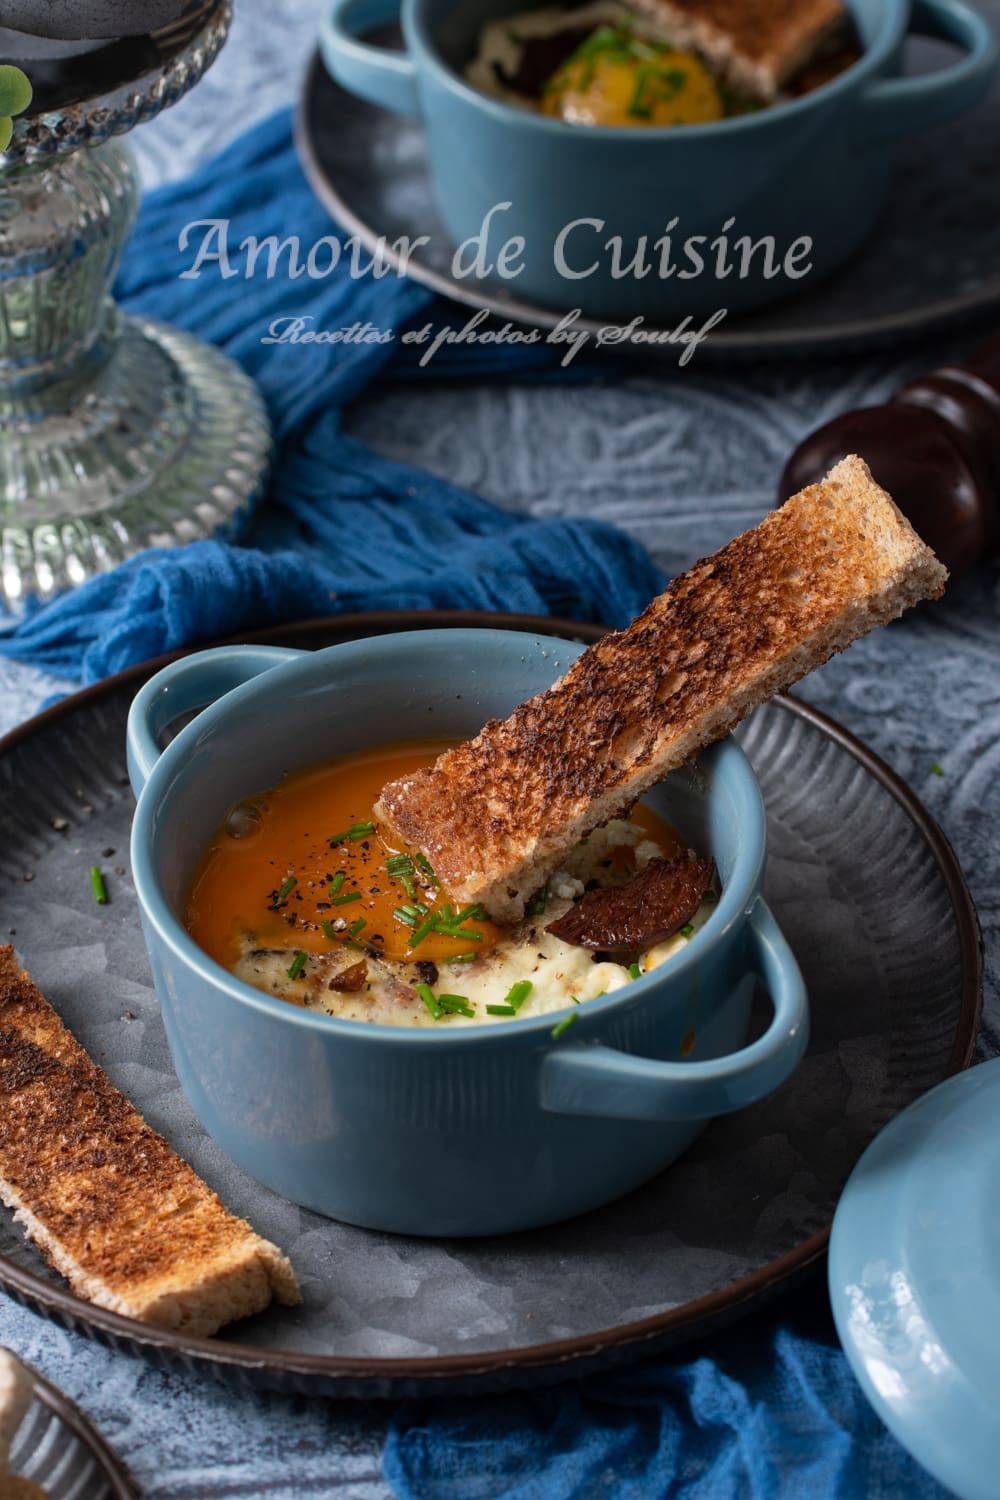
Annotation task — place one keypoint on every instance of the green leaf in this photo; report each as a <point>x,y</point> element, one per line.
<point>15,90</point>
<point>6,131</point>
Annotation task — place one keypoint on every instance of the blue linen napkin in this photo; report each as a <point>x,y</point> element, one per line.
<point>766,1410</point>
<point>342,529</point>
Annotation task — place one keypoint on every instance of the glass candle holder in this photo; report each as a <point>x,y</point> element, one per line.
<point>116,433</point>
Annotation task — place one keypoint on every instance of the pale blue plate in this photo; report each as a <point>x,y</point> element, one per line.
<point>915,1279</point>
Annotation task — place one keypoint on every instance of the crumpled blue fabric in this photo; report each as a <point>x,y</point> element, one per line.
<point>342,529</point>
<point>765,1410</point>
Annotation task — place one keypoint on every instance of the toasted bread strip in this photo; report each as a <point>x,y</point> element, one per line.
<point>755,45</point>
<point>128,1223</point>
<point>496,815</point>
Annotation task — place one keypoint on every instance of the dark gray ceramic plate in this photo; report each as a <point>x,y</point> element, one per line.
<point>57,1447</point>
<point>932,264</point>
<point>872,901</point>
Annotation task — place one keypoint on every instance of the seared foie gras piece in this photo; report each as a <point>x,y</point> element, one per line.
<point>624,920</point>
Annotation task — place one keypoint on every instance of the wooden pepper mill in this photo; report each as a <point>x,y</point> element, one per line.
<point>935,446</point>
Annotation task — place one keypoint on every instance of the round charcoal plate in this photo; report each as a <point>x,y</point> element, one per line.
<point>930,265</point>
<point>56,1447</point>
<point>872,901</point>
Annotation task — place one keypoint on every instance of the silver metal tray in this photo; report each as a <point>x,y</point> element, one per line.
<point>872,901</point>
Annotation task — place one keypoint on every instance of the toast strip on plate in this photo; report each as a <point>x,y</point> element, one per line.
<point>755,45</point>
<point>128,1223</point>
<point>496,814</point>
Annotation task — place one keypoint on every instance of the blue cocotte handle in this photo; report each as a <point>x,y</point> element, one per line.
<point>193,682</point>
<point>898,106</point>
<point>375,73</point>
<point>597,1080</point>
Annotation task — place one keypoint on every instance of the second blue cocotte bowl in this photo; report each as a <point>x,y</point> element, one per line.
<point>809,174</point>
<point>442,1130</point>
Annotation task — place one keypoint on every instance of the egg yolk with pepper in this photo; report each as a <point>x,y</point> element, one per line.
<point>617,78</point>
<point>305,866</point>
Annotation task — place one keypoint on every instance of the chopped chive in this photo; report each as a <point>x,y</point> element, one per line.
<point>413,910</point>
<point>336,883</point>
<point>635,105</point>
<point>348,896</point>
<point>355,832</point>
<point>349,942</point>
<point>936,769</point>
<point>564,1024</point>
<point>425,865</point>
<point>635,971</point>
<point>456,1005</point>
<point>709,896</point>
<point>428,925</point>
<point>500,1010</point>
<point>477,913</point>
<point>539,902</point>
<point>427,996</point>
<point>687,930</point>
<point>465,932</point>
<point>400,867</point>
<point>97,886</point>
<point>297,965</point>
<point>461,958</point>
<point>288,886</point>
<point>408,917</point>
<point>517,994</point>
<point>328,931</point>
<point>356,927</point>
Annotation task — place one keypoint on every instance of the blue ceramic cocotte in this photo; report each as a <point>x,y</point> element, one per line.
<point>808,175</point>
<point>442,1130</point>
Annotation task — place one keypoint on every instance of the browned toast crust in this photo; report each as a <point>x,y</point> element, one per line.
<point>755,44</point>
<point>114,1209</point>
<point>496,814</point>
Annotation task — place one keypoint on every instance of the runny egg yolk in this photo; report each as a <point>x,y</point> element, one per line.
<point>615,78</point>
<point>305,866</point>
